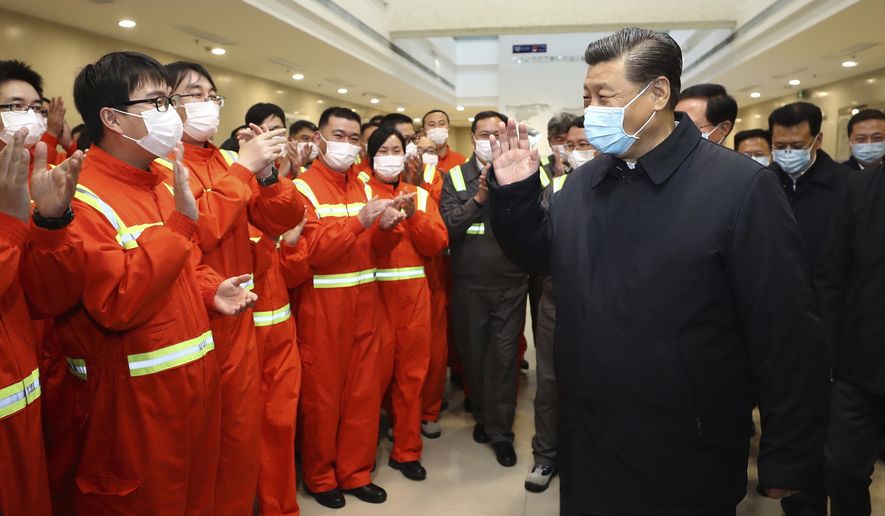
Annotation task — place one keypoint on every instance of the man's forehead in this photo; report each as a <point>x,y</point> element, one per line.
<point>11,91</point>
<point>344,124</point>
<point>488,124</point>
<point>792,131</point>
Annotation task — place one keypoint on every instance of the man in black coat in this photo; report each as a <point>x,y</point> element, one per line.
<point>866,133</point>
<point>681,301</point>
<point>851,282</point>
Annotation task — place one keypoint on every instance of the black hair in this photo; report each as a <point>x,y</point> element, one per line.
<point>179,70</point>
<point>482,115</point>
<point>233,134</point>
<point>432,111</point>
<point>109,82</point>
<point>751,133</point>
<point>232,144</point>
<point>794,114</point>
<point>647,55</point>
<point>298,125</point>
<point>721,107</point>
<point>376,119</point>
<point>82,141</point>
<point>367,125</point>
<point>863,115</point>
<point>338,112</point>
<point>579,122</point>
<point>260,112</point>
<point>560,124</point>
<point>394,119</point>
<point>378,138</point>
<point>14,70</point>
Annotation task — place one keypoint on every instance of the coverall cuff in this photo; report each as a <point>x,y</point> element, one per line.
<point>242,173</point>
<point>43,238</point>
<point>355,225</point>
<point>181,225</point>
<point>13,230</point>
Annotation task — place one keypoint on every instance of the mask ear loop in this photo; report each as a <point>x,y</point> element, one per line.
<point>635,135</point>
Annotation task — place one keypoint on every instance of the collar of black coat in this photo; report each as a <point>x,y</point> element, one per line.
<point>822,172</point>
<point>661,162</point>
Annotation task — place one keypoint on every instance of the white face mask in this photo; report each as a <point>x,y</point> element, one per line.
<point>411,149</point>
<point>762,160</point>
<point>202,120</point>
<point>560,149</point>
<point>12,122</point>
<point>706,135</point>
<point>576,158</point>
<point>313,149</point>
<point>164,130</point>
<point>439,135</point>
<point>429,159</point>
<point>388,168</point>
<point>483,150</point>
<point>339,156</point>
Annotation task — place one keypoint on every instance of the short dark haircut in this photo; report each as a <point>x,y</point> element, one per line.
<point>179,70</point>
<point>233,134</point>
<point>794,114</point>
<point>721,107</point>
<point>368,125</point>
<point>395,119</point>
<point>82,141</point>
<point>751,133</point>
<point>378,138</point>
<point>338,112</point>
<point>560,124</point>
<point>579,122</point>
<point>432,111</point>
<point>376,119</point>
<point>647,55</point>
<point>482,115</point>
<point>298,125</point>
<point>260,112</point>
<point>109,82</point>
<point>14,70</point>
<point>863,115</point>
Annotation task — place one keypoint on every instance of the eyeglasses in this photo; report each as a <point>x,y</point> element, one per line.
<point>199,97</point>
<point>162,103</point>
<point>580,146</point>
<point>16,107</point>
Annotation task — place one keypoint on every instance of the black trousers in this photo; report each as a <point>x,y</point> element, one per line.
<point>857,421</point>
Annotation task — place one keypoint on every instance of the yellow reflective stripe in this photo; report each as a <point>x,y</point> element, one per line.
<point>357,160</point>
<point>558,183</point>
<point>136,231</point>
<point>429,171</point>
<point>230,157</point>
<point>349,279</point>
<point>422,199</point>
<point>368,190</point>
<point>364,177</point>
<point>545,160</point>
<point>403,273</point>
<point>302,186</point>
<point>255,239</point>
<point>272,317</point>
<point>250,283</point>
<point>171,356</point>
<point>89,198</point>
<point>545,179</point>
<point>164,162</point>
<point>77,367</point>
<point>477,228</point>
<point>458,179</point>
<point>19,395</point>
<point>339,210</point>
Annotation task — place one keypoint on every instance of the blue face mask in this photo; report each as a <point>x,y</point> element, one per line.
<point>762,160</point>
<point>604,127</point>
<point>795,162</point>
<point>868,152</point>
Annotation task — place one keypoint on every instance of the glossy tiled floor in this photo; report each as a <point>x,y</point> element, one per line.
<point>463,478</point>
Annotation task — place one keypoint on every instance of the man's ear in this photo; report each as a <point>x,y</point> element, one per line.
<point>660,88</point>
<point>109,120</point>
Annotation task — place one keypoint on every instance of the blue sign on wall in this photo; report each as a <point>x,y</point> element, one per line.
<point>539,48</point>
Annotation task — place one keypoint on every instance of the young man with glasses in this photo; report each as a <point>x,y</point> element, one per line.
<point>140,335</point>
<point>235,190</point>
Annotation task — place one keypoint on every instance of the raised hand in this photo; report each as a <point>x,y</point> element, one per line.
<point>511,156</point>
<point>482,194</point>
<point>184,197</point>
<point>231,298</point>
<point>291,237</point>
<point>413,172</point>
<point>55,120</point>
<point>373,210</point>
<point>390,218</point>
<point>261,151</point>
<point>14,161</point>
<point>53,188</point>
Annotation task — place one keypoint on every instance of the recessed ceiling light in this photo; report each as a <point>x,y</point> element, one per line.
<point>794,82</point>
<point>823,93</point>
<point>849,64</point>
<point>871,81</point>
<point>280,92</point>
<point>375,101</point>
<point>417,120</point>
<point>342,91</point>
<point>320,102</point>
<point>218,51</point>
<point>400,109</point>
<point>855,111</point>
<point>298,76</point>
<point>755,95</point>
<point>471,119</point>
<point>460,108</point>
<point>126,24</point>
<point>757,115</point>
<point>738,120</point>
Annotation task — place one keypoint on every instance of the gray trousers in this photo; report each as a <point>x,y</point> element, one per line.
<point>486,325</point>
<point>543,325</point>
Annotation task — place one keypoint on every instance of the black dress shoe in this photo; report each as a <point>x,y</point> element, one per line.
<point>524,365</point>
<point>444,405</point>
<point>369,493</point>
<point>505,453</point>
<point>333,499</point>
<point>412,470</point>
<point>479,434</point>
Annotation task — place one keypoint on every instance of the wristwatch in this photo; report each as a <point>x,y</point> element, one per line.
<point>273,178</point>
<point>53,223</point>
